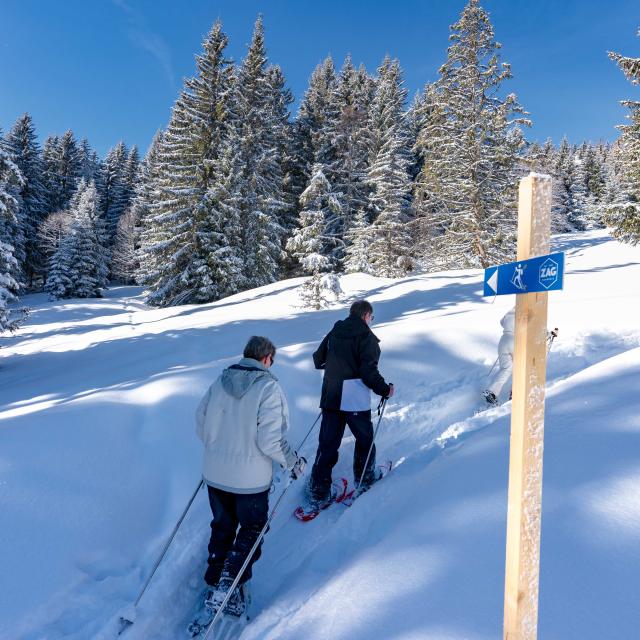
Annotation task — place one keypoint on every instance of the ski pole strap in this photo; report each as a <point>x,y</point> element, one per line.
<point>381,405</point>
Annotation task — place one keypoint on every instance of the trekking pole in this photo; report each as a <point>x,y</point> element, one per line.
<point>256,544</point>
<point>381,407</point>
<point>127,621</point>
<point>493,367</point>
<point>315,422</point>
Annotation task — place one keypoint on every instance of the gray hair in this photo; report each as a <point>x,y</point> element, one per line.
<point>360,308</point>
<point>259,347</point>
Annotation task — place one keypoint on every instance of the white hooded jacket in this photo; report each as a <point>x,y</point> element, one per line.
<point>506,344</point>
<point>242,420</point>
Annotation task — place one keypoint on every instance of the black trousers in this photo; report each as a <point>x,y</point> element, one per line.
<point>228,546</point>
<point>331,432</point>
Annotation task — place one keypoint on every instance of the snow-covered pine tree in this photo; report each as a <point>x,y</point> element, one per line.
<point>283,140</point>
<point>113,188</point>
<point>22,145</point>
<point>467,190</point>
<point>62,170</point>
<point>258,188</point>
<point>145,195</point>
<point>358,240</point>
<point>313,143</point>
<point>545,159</point>
<point>623,216</point>
<point>560,170</point>
<point>221,267</point>
<point>415,122</point>
<point>89,162</point>
<point>593,166</point>
<point>388,174</point>
<point>310,244</point>
<point>533,157</point>
<point>124,258</point>
<point>50,234</point>
<point>79,268</point>
<point>13,229</point>
<point>10,184</point>
<point>612,171</point>
<point>578,193</point>
<point>593,159</point>
<point>174,261</point>
<point>131,174</point>
<point>391,242</point>
<point>50,150</point>
<point>348,141</point>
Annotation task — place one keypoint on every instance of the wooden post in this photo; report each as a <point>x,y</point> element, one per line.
<point>527,422</point>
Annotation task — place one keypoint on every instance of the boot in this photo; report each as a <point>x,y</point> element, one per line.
<point>490,397</point>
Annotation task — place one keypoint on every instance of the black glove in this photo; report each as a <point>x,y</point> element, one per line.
<point>298,468</point>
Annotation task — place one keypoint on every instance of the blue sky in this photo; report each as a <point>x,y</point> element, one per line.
<point>111,69</point>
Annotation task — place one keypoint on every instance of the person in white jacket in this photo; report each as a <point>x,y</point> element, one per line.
<point>505,358</point>
<point>242,420</point>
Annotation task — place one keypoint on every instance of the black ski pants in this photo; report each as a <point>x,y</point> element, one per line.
<point>228,546</point>
<point>331,432</point>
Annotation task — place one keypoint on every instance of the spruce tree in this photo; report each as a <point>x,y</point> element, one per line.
<point>310,244</point>
<point>174,264</point>
<point>314,122</point>
<point>388,174</point>
<point>359,239</point>
<point>145,195</point>
<point>89,162</point>
<point>257,190</point>
<point>470,145</point>
<point>391,245</point>
<point>282,134</point>
<point>124,259</point>
<point>50,150</point>
<point>62,170</point>
<point>22,145</point>
<point>578,193</point>
<point>11,181</point>
<point>623,216</point>
<point>221,263</point>
<point>113,188</point>
<point>79,268</point>
<point>348,143</point>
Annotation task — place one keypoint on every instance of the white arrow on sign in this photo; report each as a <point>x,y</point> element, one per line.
<point>493,281</point>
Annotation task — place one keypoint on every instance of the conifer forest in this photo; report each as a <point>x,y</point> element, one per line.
<point>237,191</point>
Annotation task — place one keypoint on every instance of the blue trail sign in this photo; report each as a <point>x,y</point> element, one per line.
<point>542,273</point>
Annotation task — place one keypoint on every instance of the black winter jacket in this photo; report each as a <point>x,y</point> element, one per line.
<point>349,351</point>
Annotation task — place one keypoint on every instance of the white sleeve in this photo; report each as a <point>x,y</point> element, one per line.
<point>201,414</point>
<point>272,425</point>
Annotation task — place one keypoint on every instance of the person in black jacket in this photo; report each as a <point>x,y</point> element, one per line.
<point>349,355</point>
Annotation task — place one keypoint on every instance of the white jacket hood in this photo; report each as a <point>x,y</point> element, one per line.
<point>237,379</point>
<point>242,421</point>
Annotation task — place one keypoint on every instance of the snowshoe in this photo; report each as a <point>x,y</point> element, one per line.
<point>380,472</point>
<point>238,603</point>
<point>490,397</point>
<point>203,617</point>
<point>311,508</point>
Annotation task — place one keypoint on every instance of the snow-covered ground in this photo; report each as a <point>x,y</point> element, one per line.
<point>98,457</point>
